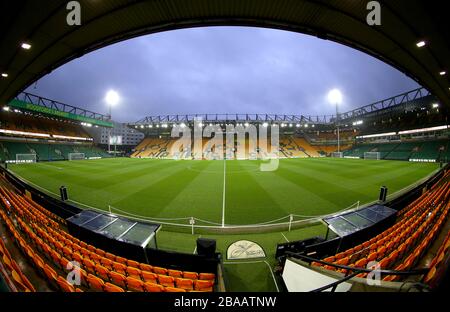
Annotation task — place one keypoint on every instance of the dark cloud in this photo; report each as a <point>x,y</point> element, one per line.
<point>222,70</point>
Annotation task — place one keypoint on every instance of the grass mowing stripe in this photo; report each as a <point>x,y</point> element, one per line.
<point>170,189</point>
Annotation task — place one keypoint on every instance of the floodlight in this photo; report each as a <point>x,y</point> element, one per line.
<point>421,44</point>
<point>25,46</point>
<point>4,75</point>
<point>265,125</point>
<point>6,108</point>
<point>443,73</point>
<point>335,96</point>
<point>112,98</point>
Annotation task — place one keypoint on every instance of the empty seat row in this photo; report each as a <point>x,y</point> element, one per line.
<point>127,272</point>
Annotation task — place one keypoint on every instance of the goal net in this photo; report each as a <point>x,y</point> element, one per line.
<point>76,156</point>
<point>337,155</point>
<point>25,158</point>
<point>372,155</point>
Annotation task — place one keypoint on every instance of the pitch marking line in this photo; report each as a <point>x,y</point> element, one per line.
<point>285,237</point>
<point>195,250</point>
<point>224,190</point>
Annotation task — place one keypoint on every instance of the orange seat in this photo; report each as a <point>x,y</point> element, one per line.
<point>121,260</point>
<point>112,288</point>
<point>159,270</point>
<point>207,276</point>
<point>343,261</point>
<point>95,283</point>
<point>203,285</point>
<point>190,275</point>
<point>102,272</point>
<point>107,263</point>
<point>145,267</point>
<point>132,263</point>
<point>167,281</point>
<point>77,257</point>
<point>174,289</point>
<point>133,272</point>
<point>89,265</point>
<point>64,285</point>
<point>152,287</point>
<point>94,257</point>
<point>119,268</point>
<point>50,274</point>
<point>67,252</point>
<point>175,273</point>
<point>149,277</point>
<point>100,252</point>
<point>118,279</point>
<point>184,283</point>
<point>110,256</point>
<point>134,284</point>
<point>372,257</point>
<point>361,263</point>
<point>20,283</point>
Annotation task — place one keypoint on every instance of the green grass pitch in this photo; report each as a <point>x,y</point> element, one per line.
<point>177,189</point>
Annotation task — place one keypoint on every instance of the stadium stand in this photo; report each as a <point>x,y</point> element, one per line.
<point>432,150</point>
<point>41,237</point>
<point>39,124</point>
<point>47,151</point>
<point>401,246</point>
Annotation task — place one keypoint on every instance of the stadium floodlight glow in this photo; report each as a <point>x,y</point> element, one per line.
<point>164,125</point>
<point>421,44</point>
<point>290,125</point>
<point>313,126</point>
<point>157,126</point>
<point>4,75</point>
<point>435,105</point>
<point>265,125</point>
<point>443,73</point>
<point>306,125</point>
<point>335,97</point>
<point>298,125</point>
<point>183,125</point>
<point>246,124</point>
<point>25,46</point>
<point>357,123</point>
<point>112,98</point>
<point>6,108</point>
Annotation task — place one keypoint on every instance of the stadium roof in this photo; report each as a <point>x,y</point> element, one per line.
<point>42,24</point>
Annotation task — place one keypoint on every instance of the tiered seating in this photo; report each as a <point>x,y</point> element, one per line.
<point>39,124</point>
<point>430,150</point>
<point>100,271</point>
<point>438,264</point>
<point>402,245</point>
<point>154,148</point>
<point>19,280</point>
<point>46,152</point>
<point>425,150</point>
<point>289,147</point>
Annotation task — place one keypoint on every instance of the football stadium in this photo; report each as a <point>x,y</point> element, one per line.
<point>354,201</point>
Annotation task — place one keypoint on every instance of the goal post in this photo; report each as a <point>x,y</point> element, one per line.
<point>372,155</point>
<point>337,155</point>
<point>76,156</point>
<point>25,158</point>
